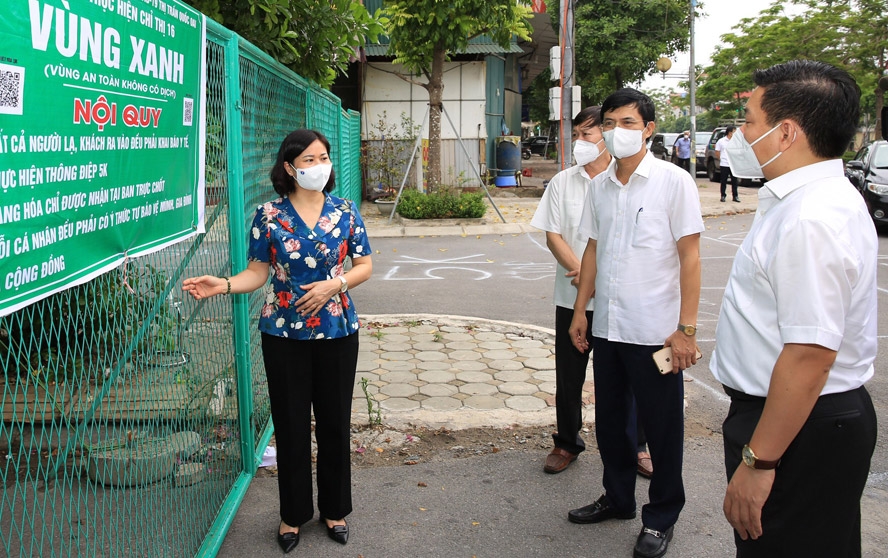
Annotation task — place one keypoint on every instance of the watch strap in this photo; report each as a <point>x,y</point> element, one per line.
<point>761,464</point>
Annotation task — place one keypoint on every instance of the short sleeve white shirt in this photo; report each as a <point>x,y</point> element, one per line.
<point>720,145</point>
<point>636,227</point>
<point>559,212</point>
<point>805,273</point>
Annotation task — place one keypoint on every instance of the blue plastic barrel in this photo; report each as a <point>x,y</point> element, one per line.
<point>508,161</point>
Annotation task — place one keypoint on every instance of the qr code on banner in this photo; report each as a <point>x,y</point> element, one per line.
<point>188,111</point>
<point>12,89</point>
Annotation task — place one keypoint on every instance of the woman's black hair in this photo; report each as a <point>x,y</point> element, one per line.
<point>293,146</point>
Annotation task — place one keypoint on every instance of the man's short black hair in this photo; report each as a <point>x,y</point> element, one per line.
<point>592,115</point>
<point>630,97</point>
<point>822,99</point>
<point>730,129</point>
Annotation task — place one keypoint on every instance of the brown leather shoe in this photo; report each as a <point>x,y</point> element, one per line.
<point>645,465</point>
<point>558,460</point>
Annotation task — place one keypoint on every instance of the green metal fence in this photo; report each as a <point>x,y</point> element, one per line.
<point>133,419</point>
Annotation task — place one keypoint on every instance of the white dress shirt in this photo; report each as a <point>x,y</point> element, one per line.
<point>723,159</point>
<point>805,273</point>
<point>636,227</point>
<point>559,212</point>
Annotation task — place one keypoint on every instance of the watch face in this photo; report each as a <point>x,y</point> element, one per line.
<point>690,330</point>
<point>748,456</point>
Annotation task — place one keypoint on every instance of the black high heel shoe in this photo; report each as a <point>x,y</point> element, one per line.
<point>287,541</point>
<point>338,533</point>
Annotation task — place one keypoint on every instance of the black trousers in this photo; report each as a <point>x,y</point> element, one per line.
<point>570,375</point>
<point>685,164</point>
<point>306,375</point>
<point>621,370</point>
<point>814,506</point>
<point>725,173</point>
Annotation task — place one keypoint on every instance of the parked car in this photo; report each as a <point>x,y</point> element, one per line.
<point>702,140</point>
<point>710,161</point>
<point>701,144</point>
<point>868,172</point>
<point>669,141</point>
<point>657,146</point>
<point>537,144</point>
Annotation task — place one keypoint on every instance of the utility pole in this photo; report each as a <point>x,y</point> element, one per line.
<point>566,41</point>
<point>692,80</point>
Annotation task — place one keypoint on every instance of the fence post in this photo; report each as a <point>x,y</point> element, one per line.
<point>236,212</point>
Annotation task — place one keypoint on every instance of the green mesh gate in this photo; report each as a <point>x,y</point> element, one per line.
<point>133,419</point>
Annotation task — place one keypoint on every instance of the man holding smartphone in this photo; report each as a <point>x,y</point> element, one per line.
<point>642,264</point>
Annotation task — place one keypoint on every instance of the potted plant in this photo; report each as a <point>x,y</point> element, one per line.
<point>384,156</point>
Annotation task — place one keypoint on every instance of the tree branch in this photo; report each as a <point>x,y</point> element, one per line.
<point>414,82</point>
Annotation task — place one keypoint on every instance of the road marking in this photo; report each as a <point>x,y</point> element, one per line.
<point>721,396</point>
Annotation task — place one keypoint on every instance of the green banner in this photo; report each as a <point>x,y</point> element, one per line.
<point>102,130</point>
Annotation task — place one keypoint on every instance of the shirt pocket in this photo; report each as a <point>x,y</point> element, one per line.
<point>742,284</point>
<point>651,230</point>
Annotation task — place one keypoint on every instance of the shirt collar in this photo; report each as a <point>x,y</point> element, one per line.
<point>787,183</point>
<point>643,169</point>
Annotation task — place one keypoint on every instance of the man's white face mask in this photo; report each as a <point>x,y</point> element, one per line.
<point>623,143</point>
<point>585,151</point>
<point>744,163</point>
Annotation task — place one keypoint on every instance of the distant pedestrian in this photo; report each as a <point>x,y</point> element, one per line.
<point>796,335</point>
<point>309,327</point>
<point>642,263</point>
<point>724,162</point>
<point>682,148</point>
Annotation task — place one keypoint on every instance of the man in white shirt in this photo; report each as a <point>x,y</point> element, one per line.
<point>724,163</point>
<point>559,215</point>
<point>796,336</point>
<point>642,263</point>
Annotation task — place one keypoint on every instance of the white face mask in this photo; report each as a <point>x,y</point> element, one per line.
<point>585,151</point>
<point>623,143</point>
<point>744,163</point>
<point>314,178</point>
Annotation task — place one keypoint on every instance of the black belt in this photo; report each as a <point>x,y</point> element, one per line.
<point>740,396</point>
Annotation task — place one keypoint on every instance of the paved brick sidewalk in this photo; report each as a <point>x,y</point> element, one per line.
<point>457,372</point>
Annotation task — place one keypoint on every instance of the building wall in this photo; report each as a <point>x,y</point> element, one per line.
<point>388,96</point>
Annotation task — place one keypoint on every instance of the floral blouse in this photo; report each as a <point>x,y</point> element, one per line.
<point>297,256</point>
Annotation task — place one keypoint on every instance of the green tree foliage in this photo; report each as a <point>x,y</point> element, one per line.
<point>618,43</point>
<point>424,33</point>
<point>850,34</point>
<point>313,38</point>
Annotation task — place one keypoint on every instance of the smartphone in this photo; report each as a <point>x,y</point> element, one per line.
<point>663,358</point>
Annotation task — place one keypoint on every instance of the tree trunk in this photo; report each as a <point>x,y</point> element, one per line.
<point>436,95</point>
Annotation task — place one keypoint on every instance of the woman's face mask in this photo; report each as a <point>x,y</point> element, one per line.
<point>313,178</point>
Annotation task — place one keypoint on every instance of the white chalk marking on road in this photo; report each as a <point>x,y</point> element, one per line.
<point>718,394</point>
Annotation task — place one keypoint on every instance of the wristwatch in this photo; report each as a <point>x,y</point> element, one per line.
<point>688,330</point>
<point>754,462</point>
<point>344,286</point>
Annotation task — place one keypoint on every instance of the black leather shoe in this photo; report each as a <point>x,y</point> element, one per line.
<point>598,511</point>
<point>288,541</point>
<point>737,200</point>
<point>651,543</point>
<point>723,198</point>
<point>338,533</point>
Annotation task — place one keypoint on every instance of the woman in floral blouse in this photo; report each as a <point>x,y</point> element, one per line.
<point>309,327</point>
